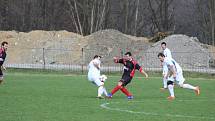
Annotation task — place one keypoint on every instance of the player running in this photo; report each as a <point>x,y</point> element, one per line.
<point>94,76</point>
<point>130,65</point>
<point>175,74</point>
<point>168,54</point>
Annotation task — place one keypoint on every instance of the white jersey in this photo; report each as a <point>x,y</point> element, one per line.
<point>171,62</point>
<point>167,53</point>
<point>179,79</point>
<point>92,69</point>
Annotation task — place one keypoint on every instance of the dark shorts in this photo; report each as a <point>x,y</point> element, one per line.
<point>125,80</point>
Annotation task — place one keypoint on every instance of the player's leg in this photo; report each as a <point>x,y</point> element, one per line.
<point>180,81</point>
<point>170,86</point>
<point>1,79</point>
<point>115,89</point>
<point>100,87</point>
<point>126,92</point>
<point>103,79</point>
<point>126,81</point>
<point>1,76</point>
<point>121,86</point>
<point>165,75</point>
<point>94,78</point>
<point>105,91</point>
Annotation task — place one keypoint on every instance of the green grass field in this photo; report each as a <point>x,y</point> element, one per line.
<point>59,97</point>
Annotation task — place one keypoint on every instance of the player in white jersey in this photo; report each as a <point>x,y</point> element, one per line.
<point>94,75</point>
<point>175,74</point>
<point>168,54</point>
<point>166,51</point>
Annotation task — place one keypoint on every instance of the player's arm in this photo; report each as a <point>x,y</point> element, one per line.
<point>172,69</point>
<point>144,73</point>
<point>117,60</point>
<point>3,67</point>
<point>1,56</point>
<point>1,63</point>
<point>138,67</point>
<point>97,65</point>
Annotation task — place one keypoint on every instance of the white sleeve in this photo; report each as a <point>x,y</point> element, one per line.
<point>168,53</point>
<point>168,62</point>
<point>164,52</point>
<point>95,61</point>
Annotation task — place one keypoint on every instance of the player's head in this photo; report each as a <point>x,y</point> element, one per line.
<point>161,56</point>
<point>163,45</point>
<point>97,56</point>
<point>128,56</point>
<point>4,45</point>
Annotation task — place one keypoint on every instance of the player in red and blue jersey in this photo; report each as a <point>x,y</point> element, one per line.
<point>130,65</point>
<point>3,54</point>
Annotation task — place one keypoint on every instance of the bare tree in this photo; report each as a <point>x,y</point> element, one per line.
<point>162,15</point>
<point>212,20</point>
<point>92,17</point>
<point>72,16</point>
<point>206,21</point>
<point>136,17</point>
<point>4,14</point>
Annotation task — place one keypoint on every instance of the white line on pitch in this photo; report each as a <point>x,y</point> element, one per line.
<point>104,105</point>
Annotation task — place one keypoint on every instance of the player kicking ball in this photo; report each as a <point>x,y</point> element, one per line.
<point>130,65</point>
<point>94,76</point>
<point>175,75</point>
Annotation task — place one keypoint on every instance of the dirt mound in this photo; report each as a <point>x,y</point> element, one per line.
<point>62,47</point>
<point>110,43</point>
<point>39,46</point>
<point>187,51</point>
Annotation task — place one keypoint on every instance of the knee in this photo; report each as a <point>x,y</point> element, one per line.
<point>181,85</point>
<point>120,83</point>
<point>170,83</point>
<point>102,84</point>
<point>165,75</point>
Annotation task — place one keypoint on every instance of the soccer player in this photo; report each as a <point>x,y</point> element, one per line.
<point>94,75</point>
<point>130,65</point>
<point>3,54</point>
<point>175,75</point>
<point>168,54</point>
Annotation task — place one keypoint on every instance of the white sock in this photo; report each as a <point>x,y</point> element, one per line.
<point>188,86</point>
<point>105,91</point>
<point>100,91</point>
<point>171,90</point>
<point>164,83</point>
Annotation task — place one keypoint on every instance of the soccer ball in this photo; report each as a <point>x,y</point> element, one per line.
<point>103,78</point>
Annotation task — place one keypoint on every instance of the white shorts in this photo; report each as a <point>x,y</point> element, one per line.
<point>179,78</point>
<point>95,80</point>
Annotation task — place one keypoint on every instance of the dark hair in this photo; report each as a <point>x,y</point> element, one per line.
<point>161,54</point>
<point>3,43</point>
<point>96,56</point>
<point>128,53</point>
<point>163,43</point>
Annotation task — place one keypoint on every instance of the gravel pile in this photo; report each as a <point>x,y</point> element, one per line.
<point>62,47</point>
<point>187,51</point>
<point>27,48</point>
<point>110,43</point>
